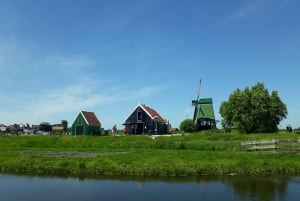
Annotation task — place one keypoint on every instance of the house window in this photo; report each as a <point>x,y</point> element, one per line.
<point>139,115</point>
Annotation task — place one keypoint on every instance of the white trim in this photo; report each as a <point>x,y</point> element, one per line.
<point>141,106</point>
<point>147,112</point>
<point>85,118</point>
<point>75,118</point>
<point>138,105</point>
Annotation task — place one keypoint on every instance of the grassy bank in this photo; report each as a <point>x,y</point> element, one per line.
<point>189,155</point>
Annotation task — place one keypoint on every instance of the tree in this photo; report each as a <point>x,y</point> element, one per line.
<point>15,129</point>
<point>253,110</point>
<point>187,125</point>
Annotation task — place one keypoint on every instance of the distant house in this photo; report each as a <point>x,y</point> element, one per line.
<point>86,123</point>
<point>3,128</point>
<point>145,120</point>
<point>45,127</point>
<point>35,128</point>
<point>60,128</point>
<point>57,127</point>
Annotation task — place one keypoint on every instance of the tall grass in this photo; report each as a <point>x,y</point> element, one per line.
<point>188,155</point>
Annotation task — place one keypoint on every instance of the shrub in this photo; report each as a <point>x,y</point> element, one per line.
<point>188,125</point>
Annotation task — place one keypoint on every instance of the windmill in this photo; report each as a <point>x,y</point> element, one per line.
<point>204,117</point>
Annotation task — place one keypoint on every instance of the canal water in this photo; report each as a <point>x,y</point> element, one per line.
<point>36,188</point>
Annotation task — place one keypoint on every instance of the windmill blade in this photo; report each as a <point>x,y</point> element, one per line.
<point>195,103</point>
<point>199,90</point>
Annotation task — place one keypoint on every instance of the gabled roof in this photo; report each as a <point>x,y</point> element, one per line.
<point>90,118</point>
<point>150,112</point>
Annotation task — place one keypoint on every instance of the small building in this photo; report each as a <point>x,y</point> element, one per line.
<point>145,120</point>
<point>3,128</point>
<point>45,127</point>
<point>57,129</point>
<point>60,128</point>
<point>86,123</point>
<point>35,128</point>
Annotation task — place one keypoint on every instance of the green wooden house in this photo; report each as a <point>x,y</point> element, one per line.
<point>204,116</point>
<point>86,123</point>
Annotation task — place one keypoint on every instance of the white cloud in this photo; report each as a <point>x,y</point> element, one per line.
<point>19,59</point>
<point>61,103</point>
<point>148,91</point>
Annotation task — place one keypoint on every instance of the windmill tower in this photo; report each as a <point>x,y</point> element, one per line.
<point>204,117</point>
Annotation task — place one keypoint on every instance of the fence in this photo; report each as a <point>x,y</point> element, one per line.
<point>271,145</point>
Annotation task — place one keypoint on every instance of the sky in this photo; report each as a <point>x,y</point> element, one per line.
<point>60,57</point>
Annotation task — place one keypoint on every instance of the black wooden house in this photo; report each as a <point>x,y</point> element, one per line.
<point>145,120</point>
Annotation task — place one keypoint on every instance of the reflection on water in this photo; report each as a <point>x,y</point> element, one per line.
<point>33,188</point>
<point>263,188</point>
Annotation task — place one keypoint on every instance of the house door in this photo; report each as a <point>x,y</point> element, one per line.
<point>79,130</point>
<point>139,128</point>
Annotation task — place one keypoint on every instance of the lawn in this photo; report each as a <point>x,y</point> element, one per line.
<point>209,153</point>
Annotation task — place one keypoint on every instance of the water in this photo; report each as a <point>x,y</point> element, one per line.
<point>33,188</point>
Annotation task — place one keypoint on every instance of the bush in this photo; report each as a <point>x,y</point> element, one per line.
<point>188,125</point>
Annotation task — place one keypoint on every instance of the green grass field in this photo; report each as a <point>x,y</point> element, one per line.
<point>209,153</point>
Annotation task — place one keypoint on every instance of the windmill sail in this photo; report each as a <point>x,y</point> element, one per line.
<point>199,90</point>
<point>196,103</point>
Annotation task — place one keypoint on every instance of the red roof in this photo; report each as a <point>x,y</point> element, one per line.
<point>91,118</point>
<point>153,113</point>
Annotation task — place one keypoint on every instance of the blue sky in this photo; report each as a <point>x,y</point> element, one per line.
<point>60,57</point>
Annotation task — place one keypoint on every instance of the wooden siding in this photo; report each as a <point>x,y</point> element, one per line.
<point>140,122</point>
<point>81,126</point>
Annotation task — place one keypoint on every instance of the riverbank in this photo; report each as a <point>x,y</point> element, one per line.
<point>188,155</point>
